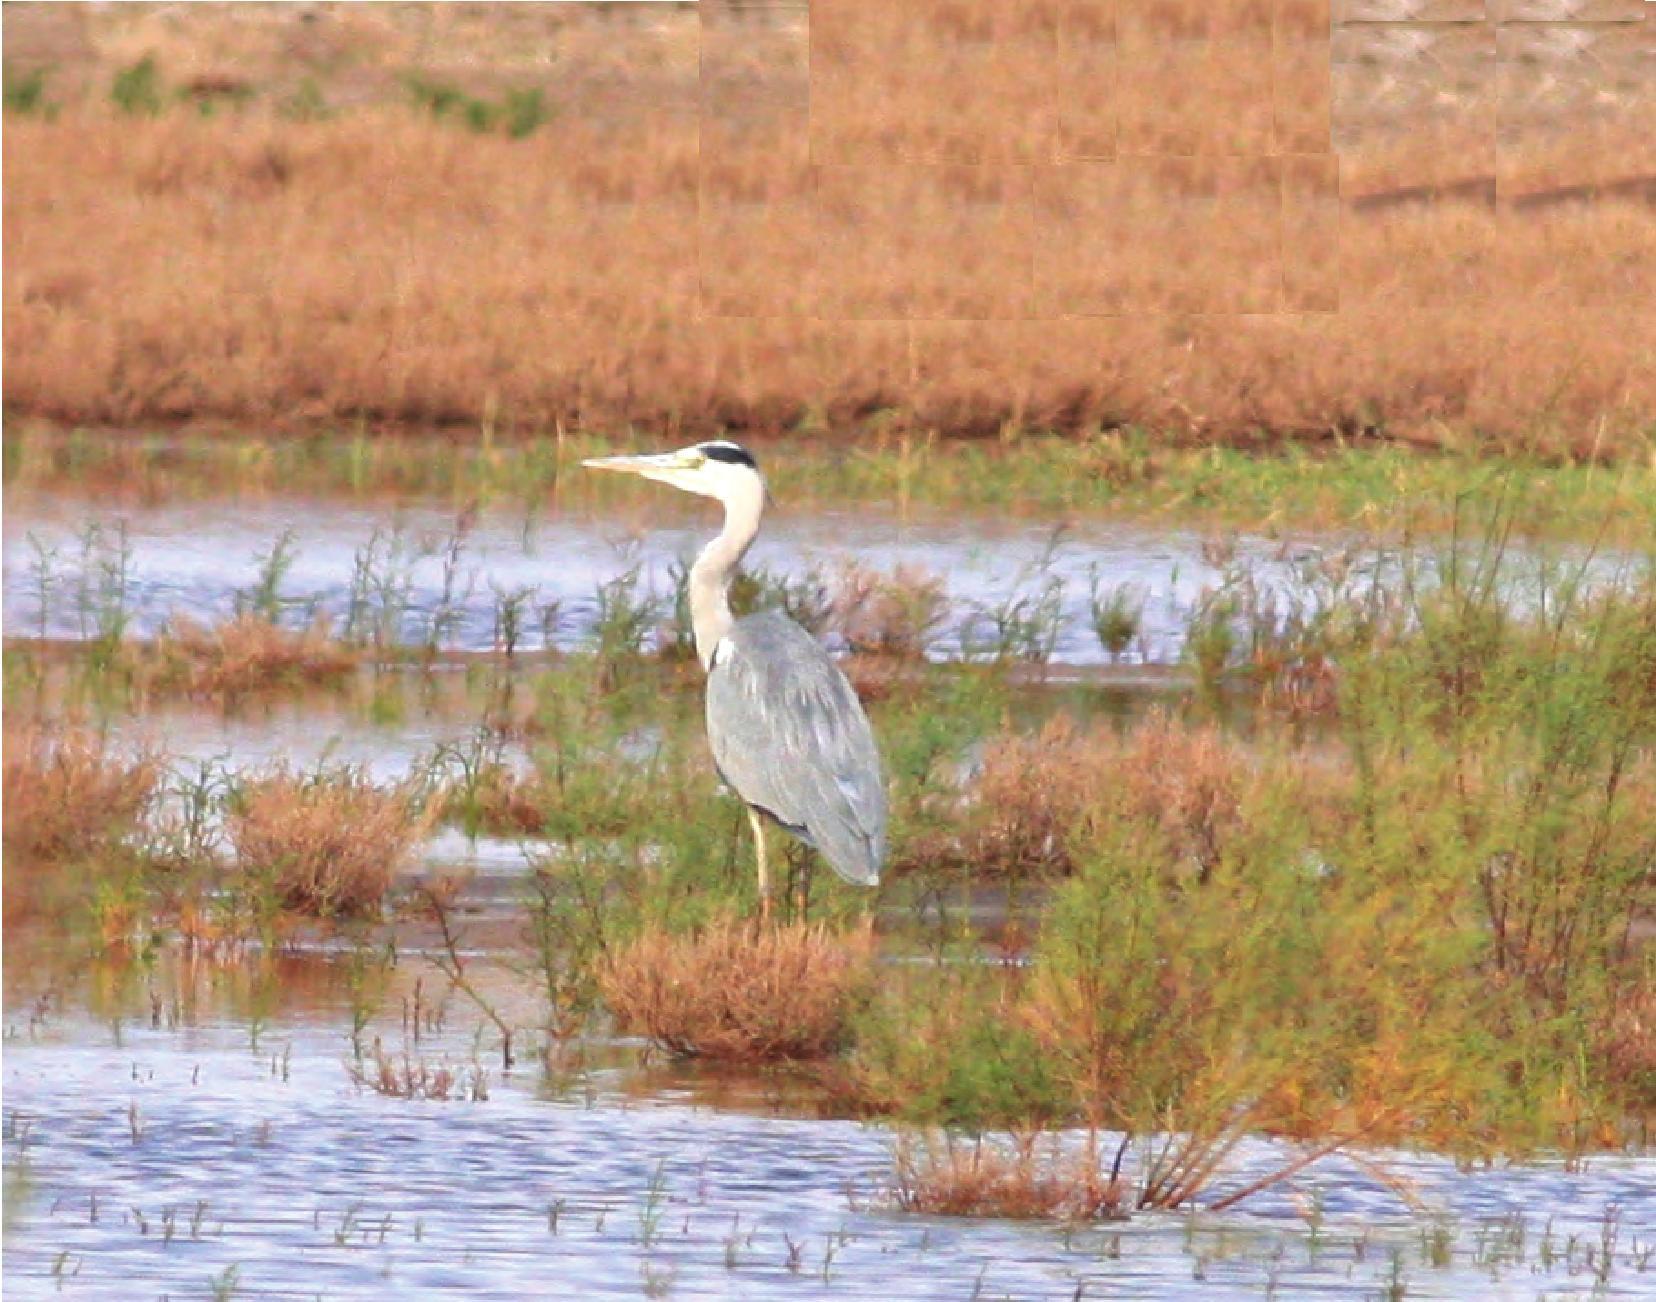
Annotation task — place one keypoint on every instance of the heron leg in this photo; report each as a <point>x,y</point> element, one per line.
<point>801,865</point>
<point>758,826</point>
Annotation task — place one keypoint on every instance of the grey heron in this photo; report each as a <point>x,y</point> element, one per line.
<point>788,733</point>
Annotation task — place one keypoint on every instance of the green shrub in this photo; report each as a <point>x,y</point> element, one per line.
<point>947,1046</point>
<point>137,89</point>
<point>1421,927</point>
<point>25,92</point>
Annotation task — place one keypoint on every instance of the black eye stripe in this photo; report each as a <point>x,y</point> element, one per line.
<point>729,453</point>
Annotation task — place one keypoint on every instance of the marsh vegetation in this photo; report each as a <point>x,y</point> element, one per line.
<point>1379,870</point>
<point>1200,953</point>
<point>1258,618</point>
<point>1350,862</point>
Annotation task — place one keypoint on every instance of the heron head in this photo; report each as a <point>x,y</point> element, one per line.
<point>718,469</point>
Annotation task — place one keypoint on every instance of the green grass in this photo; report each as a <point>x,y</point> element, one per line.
<point>25,92</point>
<point>518,113</point>
<point>138,89</point>
<point>1133,477</point>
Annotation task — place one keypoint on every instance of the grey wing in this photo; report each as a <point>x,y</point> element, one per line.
<point>789,734</point>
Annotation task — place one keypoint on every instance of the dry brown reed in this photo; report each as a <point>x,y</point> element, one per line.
<point>69,794</point>
<point>896,614</point>
<point>1627,1044</point>
<point>1186,780</point>
<point>327,843</point>
<point>248,653</point>
<point>1033,793</point>
<point>876,677</point>
<point>945,1176</point>
<point>407,1077</point>
<point>739,991</point>
<point>947,219</point>
<point>941,1175</point>
<point>1028,794</point>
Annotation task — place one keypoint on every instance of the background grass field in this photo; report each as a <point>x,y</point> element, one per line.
<point>1245,222</point>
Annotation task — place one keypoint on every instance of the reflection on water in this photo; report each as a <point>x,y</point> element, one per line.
<point>406,575</point>
<point>193,558</point>
<point>185,1128</point>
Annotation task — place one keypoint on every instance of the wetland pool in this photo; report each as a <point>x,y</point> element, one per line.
<point>189,1134</point>
<point>176,1128</point>
<point>194,558</point>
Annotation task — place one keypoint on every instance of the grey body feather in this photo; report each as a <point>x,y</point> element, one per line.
<point>789,734</point>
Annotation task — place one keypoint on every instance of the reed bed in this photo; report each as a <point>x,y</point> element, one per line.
<point>71,795</point>
<point>937,1175</point>
<point>248,653</point>
<point>1420,916</point>
<point>737,992</point>
<point>1399,923</point>
<point>734,272</point>
<point>329,844</point>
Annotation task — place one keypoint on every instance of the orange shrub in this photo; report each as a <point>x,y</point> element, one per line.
<point>69,794</point>
<point>329,844</point>
<point>739,991</point>
<point>940,1176</point>
<point>1033,795</point>
<point>246,654</point>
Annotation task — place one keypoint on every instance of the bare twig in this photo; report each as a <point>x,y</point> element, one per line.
<point>453,966</point>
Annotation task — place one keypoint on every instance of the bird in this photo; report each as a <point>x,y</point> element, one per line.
<point>786,728</point>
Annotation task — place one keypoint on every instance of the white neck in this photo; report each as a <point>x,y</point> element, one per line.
<point>744,503</point>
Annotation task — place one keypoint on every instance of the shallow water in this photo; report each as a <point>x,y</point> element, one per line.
<point>64,555</point>
<point>300,733</point>
<point>146,1160</point>
<point>193,558</point>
